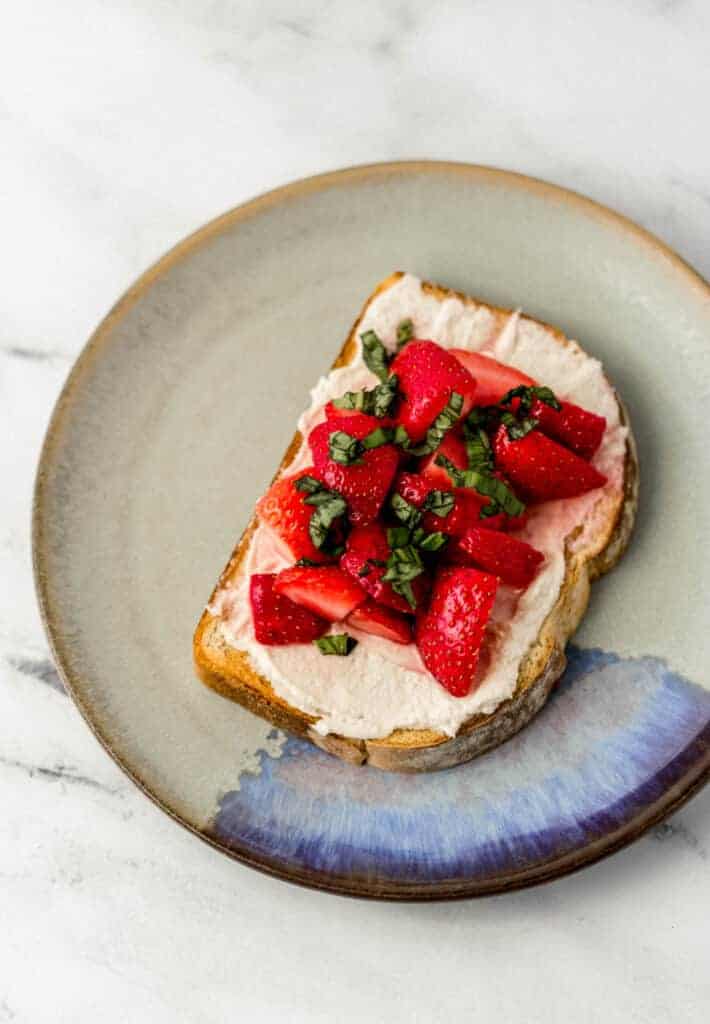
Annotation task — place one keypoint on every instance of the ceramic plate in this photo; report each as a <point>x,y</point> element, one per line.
<point>170,426</point>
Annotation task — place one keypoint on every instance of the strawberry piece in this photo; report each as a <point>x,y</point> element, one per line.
<point>572,426</point>
<point>363,485</point>
<point>278,620</point>
<point>331,413</point>
<point>465,513</point>
<point>454,449</point>
<point>540,469</point>
<point>450,633</point>
<point>374,618</point>
<point>493,379</point>
<point>427,375</point>
<point>578,429</point>
<point>283,508</point>
<point>326,590</point>
<point>512,560</point>
<point>368,544</point>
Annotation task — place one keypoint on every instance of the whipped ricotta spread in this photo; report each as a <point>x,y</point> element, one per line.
<point>383,686</point>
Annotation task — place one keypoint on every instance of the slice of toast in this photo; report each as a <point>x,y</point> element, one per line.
<point>230,672</point>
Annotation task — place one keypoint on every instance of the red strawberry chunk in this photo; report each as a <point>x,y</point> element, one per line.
<point>572,426</point>
<point>331,413</point>
<point>450,633</point>
<point>454,449</point>
<point>465,513</point>
<point>325,590</point>
<point>366,545</point>
<point>427,375</point>
<point>374,618</point>
<point>278,620</point>
<point>363,485</point>
<point>509,558</point>
<point>285,512</point>
<point>493,379</point>
<point>542,470</point>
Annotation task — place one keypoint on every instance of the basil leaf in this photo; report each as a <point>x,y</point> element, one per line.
<point>518,428</point>
<point>439,502</point>
<point>401,437</point>
<point>305,563</point>
<point>442,424</point>
<point>344,449</point>
<point>377,437</point>
<point>375,402</point>
<point>329,507</point>
<point>432,541</point>
<point>403,566</point>
<point>405,333</point>
<point>397,536</point>
<point>337,643</point>
<point>527,394</point>
<point>478,448</point>
<point>309,484</point>
<point>374,354</point>
<point>502,498</point>
<point>368,565</point>
<point>406,513</point>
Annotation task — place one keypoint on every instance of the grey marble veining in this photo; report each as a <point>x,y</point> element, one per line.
<point>124,127</point>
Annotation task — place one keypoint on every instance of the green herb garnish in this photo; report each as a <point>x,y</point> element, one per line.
<point>309,484</point>
<point>405,512</point>
<point>405,333</point>
<point>378,437</point>
<point>501,497</point>
<point>429,541</point>
<point>328,506</point>
<point>439,502</point>
<point>518,428</point>
<point>375,402</point>
<point>375,355</point>
<point>527,395</point>
<point>403,566</point>
<point>446,419</point>
<point>397,536</point>
<point>344,448</point>
<point>337,643</point>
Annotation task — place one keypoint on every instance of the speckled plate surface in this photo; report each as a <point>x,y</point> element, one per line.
<point>170,426</point>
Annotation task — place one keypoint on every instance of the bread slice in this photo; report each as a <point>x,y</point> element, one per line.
<point>230,672</point>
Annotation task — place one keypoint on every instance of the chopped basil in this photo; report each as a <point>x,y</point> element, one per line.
<point>517,429</point>
<point>336,643</point>
<point>397,536</point>
<point>527,395</point>
<point>344,449</point>
<point>478,448</point>
<point>405,333</point>
<point>405,512</point>
<point>501,497</point>
<point>401,437</point>
<point>329,506</point>
<point>403,566</point>
<point>439,502</point>
<point>377,437</point>
<point>429,541</point>
<point>309,484</point>
<point>368,565</point>
<point>375,402</point>
<point>442,424</point>
<point>375,354</point>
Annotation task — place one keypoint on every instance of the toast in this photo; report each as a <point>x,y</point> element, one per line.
<point>230,671</point>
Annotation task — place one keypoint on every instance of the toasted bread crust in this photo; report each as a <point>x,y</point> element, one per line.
<point>229,671</point>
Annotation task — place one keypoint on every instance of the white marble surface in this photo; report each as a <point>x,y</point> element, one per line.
<point>125,125</point>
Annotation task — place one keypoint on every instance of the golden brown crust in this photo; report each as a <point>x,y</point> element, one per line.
<point>230,672</point>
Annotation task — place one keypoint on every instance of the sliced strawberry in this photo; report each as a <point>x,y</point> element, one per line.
<point>454,449</point>
<point>374,618</point>
<point>493,379</point>
<point>427,375</point>
<point>326,590</point>
<point>366,546</point>
<point>278,620</point>
<point>465,513</point>
<point>285,512</point>
<point>512,560</point>
<point>572,426</point>
<point>542,470</point>
<point>364,485</point>
<point>450,633</point>
<point>331,413</point>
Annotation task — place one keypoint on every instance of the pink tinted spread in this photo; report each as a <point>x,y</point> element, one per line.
<point>383,686</point>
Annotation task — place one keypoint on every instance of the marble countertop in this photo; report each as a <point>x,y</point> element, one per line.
<point>125,126</point>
